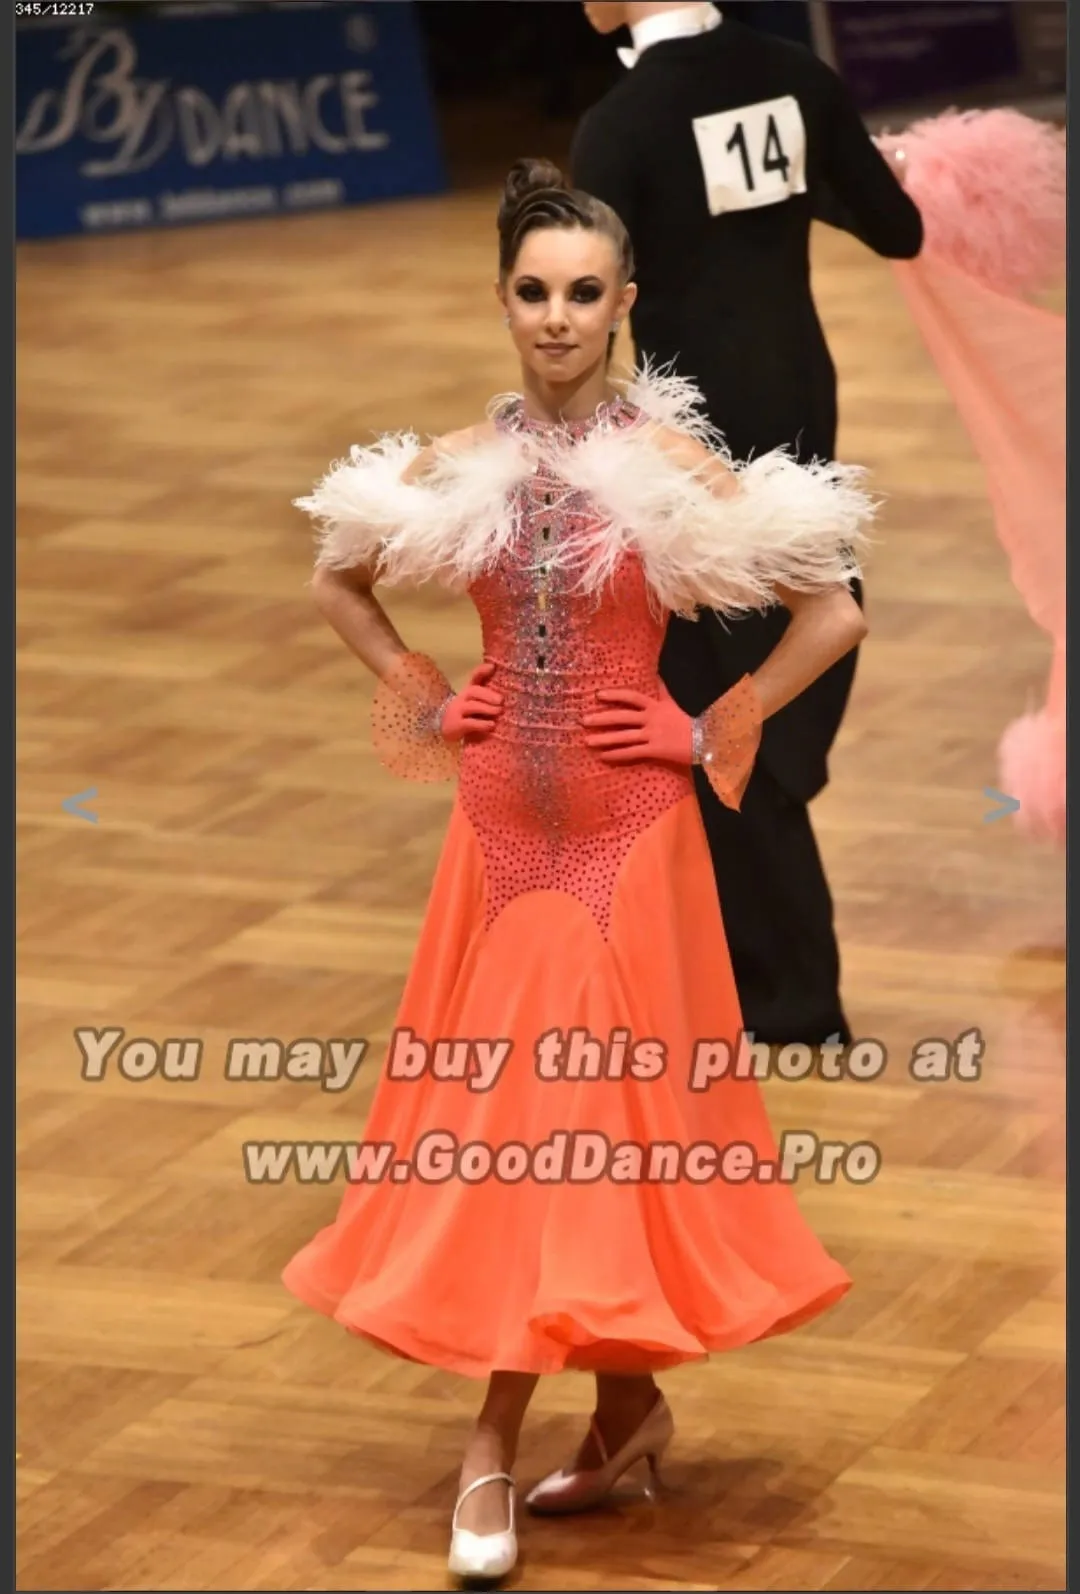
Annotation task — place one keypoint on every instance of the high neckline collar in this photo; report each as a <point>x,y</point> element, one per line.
<point>511,415</point>
<point>684,23</point>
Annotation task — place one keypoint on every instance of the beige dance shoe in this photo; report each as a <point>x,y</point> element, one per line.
<point>561,1493</point>
<point>483,1558</point>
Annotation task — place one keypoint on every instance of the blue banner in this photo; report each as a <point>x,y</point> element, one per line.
<point>181,118</point>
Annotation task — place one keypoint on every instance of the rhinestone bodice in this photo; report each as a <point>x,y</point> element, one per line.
<point>549,813</point>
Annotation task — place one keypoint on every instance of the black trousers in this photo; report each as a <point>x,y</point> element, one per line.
<point>774,897</point>
<point>778,913</point>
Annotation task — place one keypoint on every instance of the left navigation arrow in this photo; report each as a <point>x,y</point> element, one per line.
<point>71,805</point>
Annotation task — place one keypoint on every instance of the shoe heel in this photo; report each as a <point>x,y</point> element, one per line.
<point>654,1486</point>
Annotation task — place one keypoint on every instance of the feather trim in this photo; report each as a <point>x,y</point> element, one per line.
<point>991,188</point>
<point>772,523</point>
<point>449,527</point>
<point>1031,761</point>
<point>672,401</point>
<point>776,524</point>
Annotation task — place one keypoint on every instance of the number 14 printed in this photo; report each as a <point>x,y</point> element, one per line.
<point>752,156</point>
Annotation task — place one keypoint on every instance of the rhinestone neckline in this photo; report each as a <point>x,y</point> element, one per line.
<point>617,411</point>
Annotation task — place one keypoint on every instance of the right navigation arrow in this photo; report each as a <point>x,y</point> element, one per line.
<point>1009,805</point>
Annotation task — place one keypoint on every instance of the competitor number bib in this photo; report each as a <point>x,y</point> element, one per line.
<point>752,156</point>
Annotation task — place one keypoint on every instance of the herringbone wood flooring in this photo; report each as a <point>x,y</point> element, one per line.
<point>183,1423</point>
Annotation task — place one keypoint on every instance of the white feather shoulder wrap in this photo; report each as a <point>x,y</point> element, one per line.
<point>718,535</point>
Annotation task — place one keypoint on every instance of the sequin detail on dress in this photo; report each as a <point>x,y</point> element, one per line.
<point>405,715</point>
<point>548,813</point>
<point>726,740</point>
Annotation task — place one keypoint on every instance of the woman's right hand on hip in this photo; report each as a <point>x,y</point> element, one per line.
<point>474,710</point>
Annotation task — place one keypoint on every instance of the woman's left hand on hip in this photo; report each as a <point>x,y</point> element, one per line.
<point>632,727</point>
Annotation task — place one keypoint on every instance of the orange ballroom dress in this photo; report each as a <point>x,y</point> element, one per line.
<point>552,1187</point>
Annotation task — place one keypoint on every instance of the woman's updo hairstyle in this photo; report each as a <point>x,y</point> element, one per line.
<point>537,195</point>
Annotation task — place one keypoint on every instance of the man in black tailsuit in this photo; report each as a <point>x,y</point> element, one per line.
<point>718,148</point>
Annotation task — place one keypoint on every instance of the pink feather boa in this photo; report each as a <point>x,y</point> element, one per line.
<point>1031,762</point>
<point>991,189</point>
<point>1031,759</point>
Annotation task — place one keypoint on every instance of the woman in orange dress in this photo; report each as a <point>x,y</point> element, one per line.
<point>567,1181</point>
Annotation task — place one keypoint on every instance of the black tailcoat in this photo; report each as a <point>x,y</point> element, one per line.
<point>685,148</point>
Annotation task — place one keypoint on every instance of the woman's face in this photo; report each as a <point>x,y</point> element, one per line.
<point>563,297</point>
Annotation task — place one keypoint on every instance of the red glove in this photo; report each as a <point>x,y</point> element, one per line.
<point>724,740</point>
<point>474,710</point>
<point>640,728</point>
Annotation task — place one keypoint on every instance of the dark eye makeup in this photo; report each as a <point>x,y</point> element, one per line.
<point>586,290</point>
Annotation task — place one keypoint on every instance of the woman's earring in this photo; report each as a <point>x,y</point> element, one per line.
<point>615,325</point>
<point>506,320</point>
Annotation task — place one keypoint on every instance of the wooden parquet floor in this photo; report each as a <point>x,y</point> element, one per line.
<point>183,1424</point>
